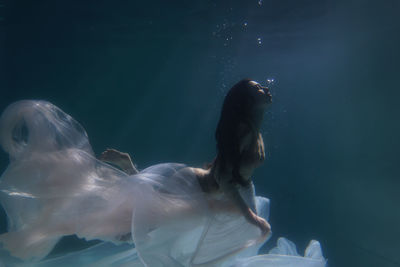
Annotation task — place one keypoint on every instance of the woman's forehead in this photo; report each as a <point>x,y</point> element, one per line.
<point>253,83</point>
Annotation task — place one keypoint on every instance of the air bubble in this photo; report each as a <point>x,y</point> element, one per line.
<point>270,82</point>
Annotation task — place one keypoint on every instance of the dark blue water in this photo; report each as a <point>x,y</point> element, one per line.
<point>149,78</point>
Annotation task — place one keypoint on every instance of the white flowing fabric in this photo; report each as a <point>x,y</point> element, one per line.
<point>54,186</point>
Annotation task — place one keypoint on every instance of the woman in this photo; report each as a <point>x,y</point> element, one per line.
<point>174,215</point>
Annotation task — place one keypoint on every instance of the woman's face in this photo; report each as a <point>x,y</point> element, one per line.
<point>259,94</point>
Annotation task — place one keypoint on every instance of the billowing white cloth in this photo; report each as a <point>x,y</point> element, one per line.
<point>54,186</point>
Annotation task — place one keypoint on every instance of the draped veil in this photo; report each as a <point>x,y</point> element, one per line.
<point>54,186</point>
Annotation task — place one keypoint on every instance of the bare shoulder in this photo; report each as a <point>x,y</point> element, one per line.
<point>206,180</point>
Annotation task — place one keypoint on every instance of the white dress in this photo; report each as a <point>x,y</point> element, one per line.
<point>54,186</point>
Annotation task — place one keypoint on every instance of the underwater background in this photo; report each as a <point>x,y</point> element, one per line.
<point>149,78</point>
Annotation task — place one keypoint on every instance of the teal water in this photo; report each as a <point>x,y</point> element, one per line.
<point>149,78</point>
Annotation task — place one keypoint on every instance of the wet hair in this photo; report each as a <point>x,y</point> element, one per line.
<point>236,107</point>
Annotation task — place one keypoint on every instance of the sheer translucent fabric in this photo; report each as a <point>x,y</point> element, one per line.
<point>54,186</point>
